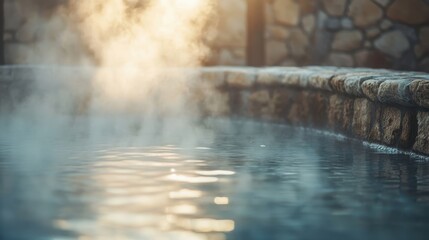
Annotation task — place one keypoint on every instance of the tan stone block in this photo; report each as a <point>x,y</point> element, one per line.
<point>340,60</point>
<point>231,23</point>
<point>267,77</point>
<point>213,103</point>
<point>335,8</point>
<point>405,137</point>
<point>286,12</point>
<point>318,109</point>
<point>340,113</point>
<point>282,100</point>
<point>347,40</point>
<point>260,104</point>
<point>241,79</point>
<point>298,42</point>
<point>276,51</point>
<point>409,11</point>
<point>308,6</point>
<point>213,78</point>
<point>372,32</point>
<point>226,57</point>
<point>370,89</point>
<point>308,23</point>
<point>361,117</point>
<point>278,33</point>
<point>375,131</point>
<point>391,125</point>
<point>335,111</point>
<point>419,90</point>
<point>300,109</point>
<point>364,12</point>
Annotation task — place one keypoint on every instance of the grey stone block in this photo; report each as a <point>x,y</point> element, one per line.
<point>214,77</point>
<point>396,92</point>
<point>422,140</point>
<point>350,83</point>
<point>419,90</point>
<point>241,78</point>
<point>361,117</point>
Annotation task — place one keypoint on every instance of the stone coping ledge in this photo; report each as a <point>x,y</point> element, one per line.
<point>409,89</point>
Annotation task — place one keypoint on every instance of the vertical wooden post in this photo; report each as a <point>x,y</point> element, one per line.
<point>255,48</point>
<point>2,32</point>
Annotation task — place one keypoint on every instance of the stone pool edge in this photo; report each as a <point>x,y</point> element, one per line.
<point>375,105</point>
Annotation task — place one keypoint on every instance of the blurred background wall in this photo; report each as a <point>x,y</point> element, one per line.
<point>352,33</point>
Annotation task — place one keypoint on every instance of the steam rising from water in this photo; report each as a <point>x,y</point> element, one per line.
<point>138,55</point>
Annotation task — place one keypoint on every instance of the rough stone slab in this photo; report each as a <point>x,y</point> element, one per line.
<point>375,132</point>
<point>241,78</point>
<point>350,83</point>
<point>391,125</point>
<point>396,92</point>
<point>214,77</point>
<point>297,78</point>
<point>282,102</point>
<point>269,77</point>
<point>300,109</point>
<point>212,103</point>
<point>422,141</point>
<point>318,109</point>
<point>321,80</point>
<point>361,117</point>
<point>260,104</point>
<point>370,88</point>
<point>335,111</point>
<point>419,90</point>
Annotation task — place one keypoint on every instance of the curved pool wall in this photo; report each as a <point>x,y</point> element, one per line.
<point>380,106</point>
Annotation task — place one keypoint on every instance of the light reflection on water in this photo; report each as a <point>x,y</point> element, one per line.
<point>301,185</point>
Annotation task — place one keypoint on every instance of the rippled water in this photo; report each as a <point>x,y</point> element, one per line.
<point>250,181</point>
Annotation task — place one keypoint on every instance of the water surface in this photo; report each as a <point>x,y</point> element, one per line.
<point>245,181</point>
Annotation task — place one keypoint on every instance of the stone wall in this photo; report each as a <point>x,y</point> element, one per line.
<point>229,45</point>
<point>23,30</point>
<point>349,33</point>
<point>380,106</point>
<point>390,34</point>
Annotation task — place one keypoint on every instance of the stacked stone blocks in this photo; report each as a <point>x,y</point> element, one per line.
<point>352,33</point>
<point>380,106</point>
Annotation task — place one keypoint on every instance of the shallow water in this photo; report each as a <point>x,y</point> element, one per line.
<point>248,181</point>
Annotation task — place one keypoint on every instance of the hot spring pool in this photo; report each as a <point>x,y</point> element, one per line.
<point>249,181</point>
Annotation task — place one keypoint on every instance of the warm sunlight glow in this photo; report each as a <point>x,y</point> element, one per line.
<point>221,200</point>
<point>135,41</point>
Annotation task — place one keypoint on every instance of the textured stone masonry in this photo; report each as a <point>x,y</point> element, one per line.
<point>348,33</point>
<point>381,106</point>
<point>390,34</point>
